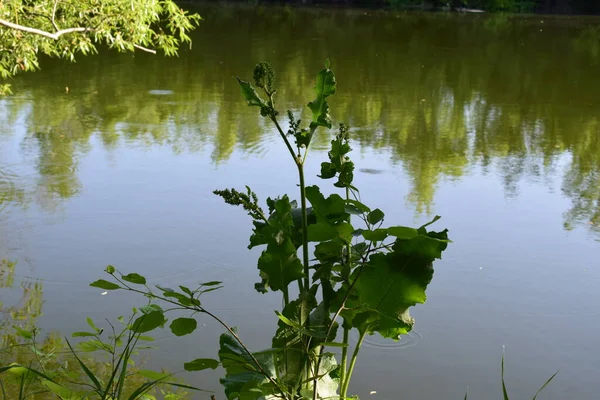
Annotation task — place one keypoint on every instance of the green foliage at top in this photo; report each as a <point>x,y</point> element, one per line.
<point>64,29</point>
<point>264,77</point>
<point>325,87</point>
<point>339,163</point>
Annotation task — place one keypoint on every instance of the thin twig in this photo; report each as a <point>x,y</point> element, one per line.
<point>54,16</point>
<point>137,46</point>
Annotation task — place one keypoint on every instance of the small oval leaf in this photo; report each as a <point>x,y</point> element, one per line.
<point>102,284</point>
<point>201,363</point>
<point>148,322</point>
<point>375,216</point>
<point>134,278</point>
<point>23,333</point>
<point>402,232</point>
<point>183,326</point>
<point>375,236</point>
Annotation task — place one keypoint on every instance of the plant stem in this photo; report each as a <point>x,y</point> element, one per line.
<point>305,258</point>
<point>286,296</point>
<point>285,139</point>
<point>230,330</point>
<point>352,363</point>
<point>344,358</point>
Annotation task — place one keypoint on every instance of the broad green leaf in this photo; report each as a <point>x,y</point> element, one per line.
<point>242,376</point>
<point>152,374</point>
<point>183,326</point>
<point>362,207</point>
<point>402,232</point>
<point>106,285</point>
<point>279,263</point>
<point>134,278</point>
<point>330,251</point>
<point>359,250</point>
<point>150,307</point>
<point>331,208</point>
<point>250,95</point>
<point>375,216</point>
<point>328,382</point>
<point>147,322</point>
<point>377,235</point>
<point>321,232</point>
<point>353,210</point>
<point>328,170</point>
<point>23,333</point>
<point>61,391</point>
<point>325,87</point>
<point>345,231</point>
<point>14,369</point>
<point>200,364</point>
<point>391,283</point>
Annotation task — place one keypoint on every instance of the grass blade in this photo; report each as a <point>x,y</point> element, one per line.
<point>181,385</point>
<point>503,385</point>
<point>3,392</point>
<point>544,385</point>
<point>85,369</point>
<point>21,387</point>
<point>144,389</point>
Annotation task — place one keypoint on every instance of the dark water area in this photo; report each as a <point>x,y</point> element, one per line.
<point>490,121</point>
<point>542,7</point>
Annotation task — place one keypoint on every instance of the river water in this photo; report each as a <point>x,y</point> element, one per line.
<point>489,121</point>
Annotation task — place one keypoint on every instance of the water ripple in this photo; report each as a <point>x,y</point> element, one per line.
<point>411,339</point>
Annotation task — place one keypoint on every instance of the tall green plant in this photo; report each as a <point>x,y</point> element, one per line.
<point>367,275</point>
<point>361,274</point>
